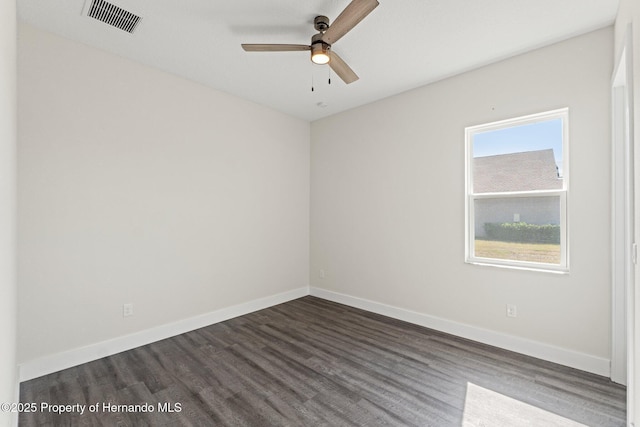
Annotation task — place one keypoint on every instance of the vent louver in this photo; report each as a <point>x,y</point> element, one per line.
<point>113,15</point>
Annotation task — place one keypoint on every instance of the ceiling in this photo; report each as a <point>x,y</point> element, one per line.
<point>399,46</point>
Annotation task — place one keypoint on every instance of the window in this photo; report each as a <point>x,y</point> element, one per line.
<point>517,181</point>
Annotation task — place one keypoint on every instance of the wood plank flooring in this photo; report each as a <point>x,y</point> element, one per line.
<point>311,362</point>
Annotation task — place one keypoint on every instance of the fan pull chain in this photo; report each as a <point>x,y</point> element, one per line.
<point>329,75</point>
<point>312,89</point>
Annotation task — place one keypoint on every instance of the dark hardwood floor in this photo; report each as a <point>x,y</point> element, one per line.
<point>311,362</point>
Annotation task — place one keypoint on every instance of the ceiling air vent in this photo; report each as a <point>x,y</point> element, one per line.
<point>113,15</point>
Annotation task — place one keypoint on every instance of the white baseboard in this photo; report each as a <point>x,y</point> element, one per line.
<point>574,359</point>
<point>57,362</point>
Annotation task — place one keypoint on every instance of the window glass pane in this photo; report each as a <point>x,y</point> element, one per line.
<point>517,181</point>
<point>518,158</point>
<point>518,228</point>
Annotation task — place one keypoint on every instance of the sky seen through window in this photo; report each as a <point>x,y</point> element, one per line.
<point>522,138</point>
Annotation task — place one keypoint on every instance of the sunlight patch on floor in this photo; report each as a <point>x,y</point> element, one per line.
<point>486,408</point>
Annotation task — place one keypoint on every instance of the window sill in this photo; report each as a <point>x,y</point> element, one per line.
<point>542,268</point>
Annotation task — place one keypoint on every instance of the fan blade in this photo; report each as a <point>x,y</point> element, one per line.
<point>274,47</point>
<point>342,69</point>
<point>355,12</point>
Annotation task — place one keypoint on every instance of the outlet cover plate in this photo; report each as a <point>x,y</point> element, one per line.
<point>127,310</point>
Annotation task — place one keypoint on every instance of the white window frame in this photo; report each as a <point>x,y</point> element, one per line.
<point>471,197</point>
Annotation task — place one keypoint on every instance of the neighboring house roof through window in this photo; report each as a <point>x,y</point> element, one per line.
<point>526,171</point>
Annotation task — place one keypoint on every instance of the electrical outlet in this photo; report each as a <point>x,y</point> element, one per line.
<point>512,310</point>
<point>321,273</point>
<point>127,310</point>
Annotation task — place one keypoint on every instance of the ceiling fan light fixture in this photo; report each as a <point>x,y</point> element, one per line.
<point>320,53</point>
<point>322,42</point>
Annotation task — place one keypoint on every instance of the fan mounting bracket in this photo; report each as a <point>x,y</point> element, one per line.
<point>321,23</point>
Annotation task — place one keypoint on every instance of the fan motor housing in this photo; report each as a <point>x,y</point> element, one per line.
<point>319,49</point>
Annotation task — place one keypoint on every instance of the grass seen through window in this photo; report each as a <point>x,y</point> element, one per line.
<point>531,252</point>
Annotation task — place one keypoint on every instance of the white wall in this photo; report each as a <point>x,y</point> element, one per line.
<point>8,289</point>
<point>136,186</point>
<point>387,199</point>
<point>629,15</point>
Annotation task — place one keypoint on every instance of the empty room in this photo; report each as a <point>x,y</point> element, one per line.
<point>321,213</point>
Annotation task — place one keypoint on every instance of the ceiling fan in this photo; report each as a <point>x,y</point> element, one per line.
<point>320,47</point>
